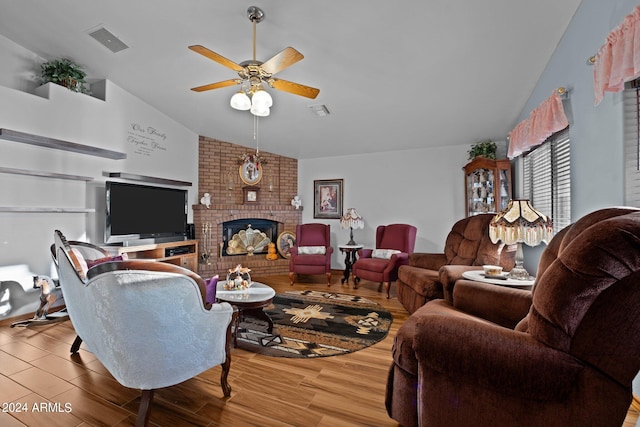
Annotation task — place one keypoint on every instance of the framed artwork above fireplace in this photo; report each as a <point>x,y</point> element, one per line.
<point>250,172</point>
<point>251,194</point>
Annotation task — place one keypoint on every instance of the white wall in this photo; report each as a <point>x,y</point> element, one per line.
<point>423,187</point>
<point>121,122</point>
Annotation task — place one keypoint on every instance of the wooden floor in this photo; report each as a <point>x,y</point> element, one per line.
<point>42,385</point>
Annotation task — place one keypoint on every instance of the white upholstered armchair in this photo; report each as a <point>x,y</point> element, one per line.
<point>147,322</point>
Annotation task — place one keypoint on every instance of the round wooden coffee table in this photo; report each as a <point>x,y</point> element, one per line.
<point>250,301</point>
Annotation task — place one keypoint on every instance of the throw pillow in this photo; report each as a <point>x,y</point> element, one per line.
<point>312,250</point>
<point>384,253</point>
<point>211,289</point>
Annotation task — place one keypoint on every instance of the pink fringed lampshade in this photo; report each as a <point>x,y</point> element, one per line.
<point>520,223</point>
<point>351,220</point>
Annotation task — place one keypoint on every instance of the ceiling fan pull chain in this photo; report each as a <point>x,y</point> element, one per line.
<point>255,134</point>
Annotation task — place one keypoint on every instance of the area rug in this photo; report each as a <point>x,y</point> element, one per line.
<point>310,324</point>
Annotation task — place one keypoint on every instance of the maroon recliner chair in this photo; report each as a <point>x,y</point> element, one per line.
<point>569,360</point>
<point>394,243</point>
<point>312,251</point>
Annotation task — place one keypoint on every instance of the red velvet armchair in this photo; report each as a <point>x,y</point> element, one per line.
<point>394,243</point>
<point>312,251</point>
<point>569,360</point>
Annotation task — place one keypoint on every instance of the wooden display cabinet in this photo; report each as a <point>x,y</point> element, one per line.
<point>183,253</point>
<point>487,185</point>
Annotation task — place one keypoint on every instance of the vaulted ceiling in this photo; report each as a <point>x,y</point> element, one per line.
<point>393,74</point>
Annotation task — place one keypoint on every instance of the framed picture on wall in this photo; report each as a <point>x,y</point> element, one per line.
<point>327,198</point>
<point>250,173</point>
<point>251,194</point>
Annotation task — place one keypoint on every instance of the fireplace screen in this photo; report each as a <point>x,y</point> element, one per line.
<point>247,236</point>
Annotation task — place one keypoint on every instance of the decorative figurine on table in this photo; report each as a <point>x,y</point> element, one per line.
<point>238,279</point>
<point>296,202</point>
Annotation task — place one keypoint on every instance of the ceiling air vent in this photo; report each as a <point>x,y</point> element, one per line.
<point>319,110</point>
<point>107,39</point>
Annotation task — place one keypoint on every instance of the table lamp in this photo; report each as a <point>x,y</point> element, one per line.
<point>519,222</point>
<point>351,220</point>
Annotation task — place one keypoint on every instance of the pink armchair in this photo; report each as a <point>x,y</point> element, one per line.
<point>312,251</point>
<point>394,243</point>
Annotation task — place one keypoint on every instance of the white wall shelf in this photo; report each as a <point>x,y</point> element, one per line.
<point>34,209</point>
<point>45,174</point>
<point>43,141</point>
<point>143,178</point>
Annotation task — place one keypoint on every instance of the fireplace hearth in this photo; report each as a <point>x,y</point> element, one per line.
<point>248,236</point>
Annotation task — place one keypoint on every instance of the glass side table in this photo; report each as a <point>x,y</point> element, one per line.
<point>350,252</point>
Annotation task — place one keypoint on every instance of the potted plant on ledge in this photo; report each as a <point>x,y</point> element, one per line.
<point>65,73</point>
<point>483,148</point>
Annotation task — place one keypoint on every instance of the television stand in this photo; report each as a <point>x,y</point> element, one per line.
<point>183,253</point>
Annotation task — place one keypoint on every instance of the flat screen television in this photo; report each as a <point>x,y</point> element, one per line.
<point>136,213</point>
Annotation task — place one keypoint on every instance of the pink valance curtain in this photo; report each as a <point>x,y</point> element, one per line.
<point>618,60</point>
<point>543,122</point>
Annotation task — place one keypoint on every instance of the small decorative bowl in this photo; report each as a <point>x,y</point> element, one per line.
<point>492,270</point>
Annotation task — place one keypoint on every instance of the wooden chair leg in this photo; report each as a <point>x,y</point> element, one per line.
<point>76,344</point>
<point>329,278</point>
<point>226,366</point>
<point>145,408</point>
<point>291,273</point>
<point>388,286</point>
<point>356,280</point>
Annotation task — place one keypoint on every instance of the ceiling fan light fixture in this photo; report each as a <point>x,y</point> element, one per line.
<point>261,98</point>
<point>240,101</point>
<point>260,111</point>
<point>253,74</point>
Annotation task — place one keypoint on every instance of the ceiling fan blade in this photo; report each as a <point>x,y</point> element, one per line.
<point>216,57</point>
<point>217,85</point>
<point>295,88</point>
<point>285,58</point>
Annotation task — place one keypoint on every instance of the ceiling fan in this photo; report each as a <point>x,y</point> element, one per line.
<point>253,73</point>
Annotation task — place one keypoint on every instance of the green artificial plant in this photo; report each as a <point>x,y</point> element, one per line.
<point>65,73</point>
<point>483,148</point>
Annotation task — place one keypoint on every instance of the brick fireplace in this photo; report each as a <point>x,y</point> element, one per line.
<point>218,175</point>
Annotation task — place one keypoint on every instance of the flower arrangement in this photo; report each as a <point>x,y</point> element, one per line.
<point>252,158</point>
<point>238,279</point>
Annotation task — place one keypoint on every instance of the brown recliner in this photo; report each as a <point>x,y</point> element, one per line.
<point>569,361</point>
<point>467,244</point>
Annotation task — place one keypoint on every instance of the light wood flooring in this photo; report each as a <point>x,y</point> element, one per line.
<point>36,369</point>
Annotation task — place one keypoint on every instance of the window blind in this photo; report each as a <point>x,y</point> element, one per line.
<point>631,101</point>
<point>547,178</point>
